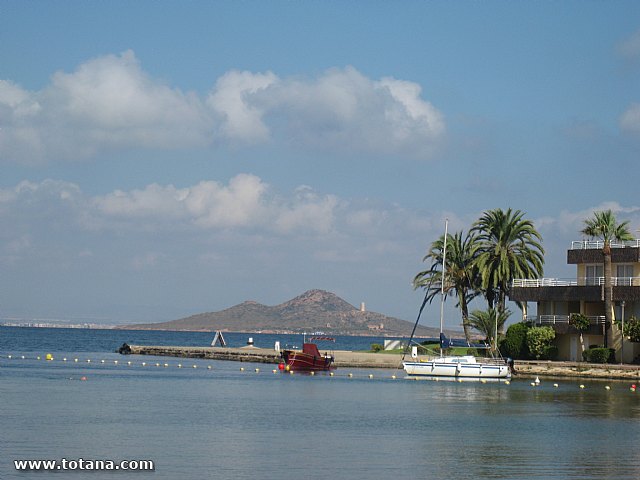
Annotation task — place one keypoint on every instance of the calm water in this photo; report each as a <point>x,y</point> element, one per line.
<point>230,424</point>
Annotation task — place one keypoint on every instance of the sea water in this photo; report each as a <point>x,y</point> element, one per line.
<point>242,421</point>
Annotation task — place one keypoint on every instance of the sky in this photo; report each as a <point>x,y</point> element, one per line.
<point>161,158</point>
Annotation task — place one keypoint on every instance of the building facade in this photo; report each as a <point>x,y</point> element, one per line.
<point>557,299</point>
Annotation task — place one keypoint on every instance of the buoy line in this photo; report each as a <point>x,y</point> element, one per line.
<point>97,364</point>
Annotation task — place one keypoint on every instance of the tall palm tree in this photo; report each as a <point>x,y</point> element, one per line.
<point>510,247</point>
<point>461,274</point>
<point>603,226</point>
<point>489,322</point>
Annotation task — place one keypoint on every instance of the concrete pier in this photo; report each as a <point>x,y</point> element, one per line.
<point>343,358</point>
<point>348,359</point>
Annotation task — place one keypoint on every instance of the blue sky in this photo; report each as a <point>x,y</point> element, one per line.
<point>166,158</point>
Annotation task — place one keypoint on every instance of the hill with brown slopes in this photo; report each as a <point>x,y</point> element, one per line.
<point>313,311</point>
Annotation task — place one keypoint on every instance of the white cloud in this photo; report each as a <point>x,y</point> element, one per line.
<point>146,260</point>
<point>244,203</point>
<point>343,109</point>
<point>242,119</point>
<point>630,46</point>
<point>630,120</point>
<point>107,103</point>
<point>111,103</point>
<point>308,211</point>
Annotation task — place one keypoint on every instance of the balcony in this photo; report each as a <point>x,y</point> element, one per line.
<point>580,282</point>
<point>539,320</point>
<point>588,251</point>
<point>597,244</point>
<point>560,323</point>
<point>589,289</point>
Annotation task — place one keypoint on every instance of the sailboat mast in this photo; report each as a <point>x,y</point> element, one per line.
<point>444,270</point>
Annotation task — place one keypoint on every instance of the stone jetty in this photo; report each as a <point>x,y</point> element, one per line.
<point>345,359</point>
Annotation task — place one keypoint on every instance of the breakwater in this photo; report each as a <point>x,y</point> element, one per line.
<point>344,359</point>
<point>577,370</point>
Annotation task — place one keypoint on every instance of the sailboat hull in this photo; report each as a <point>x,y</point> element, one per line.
<point>437,368</point>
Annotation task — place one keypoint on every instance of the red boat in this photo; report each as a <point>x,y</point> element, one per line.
<point>309,359</point>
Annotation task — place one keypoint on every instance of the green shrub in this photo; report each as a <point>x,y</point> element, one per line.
<point>514,343</point>
<point>539,339</point>
<point>549,353</point>
<point>376,347</point>
<point>599,355</point>
<point>632,329</point>
<point>579,321</point>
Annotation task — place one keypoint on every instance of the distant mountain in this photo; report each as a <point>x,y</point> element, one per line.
<point>313,311</point>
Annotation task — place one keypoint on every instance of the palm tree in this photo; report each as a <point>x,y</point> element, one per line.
<point>509,248</point>
<point>489,322</point>
<point>603,225</point>
<point>461,274</point>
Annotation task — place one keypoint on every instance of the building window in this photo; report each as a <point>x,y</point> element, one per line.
<point>594,274</point>
<point>624,274</point>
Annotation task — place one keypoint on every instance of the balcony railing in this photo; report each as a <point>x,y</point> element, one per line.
<point>580,282</point>
<point>597,244</point>
<point>561,319</point>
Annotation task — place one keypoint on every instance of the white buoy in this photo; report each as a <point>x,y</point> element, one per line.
<point>166,365</point>
<point>75,360</point>
<point>208,367</point>
<point>22,357</point>
<point>607,387</point>
<point>115,362</point>
<point>257,370</point>
<point>88,360</point>
<point>64,359</point>
<point>555,385</point>
<point>9,357</point>
<point>581,386</point>
<point>179,365</point>
<point>144,363</point>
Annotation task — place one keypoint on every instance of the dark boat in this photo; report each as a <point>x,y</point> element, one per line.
<point>308,359</point>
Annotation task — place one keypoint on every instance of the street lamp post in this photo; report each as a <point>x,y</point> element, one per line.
<point>622,334</point>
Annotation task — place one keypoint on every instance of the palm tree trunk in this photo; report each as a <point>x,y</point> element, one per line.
<point>608,293</point>
<point>464,308</point>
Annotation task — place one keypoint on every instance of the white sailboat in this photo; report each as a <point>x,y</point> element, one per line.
<point>456,366</point>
